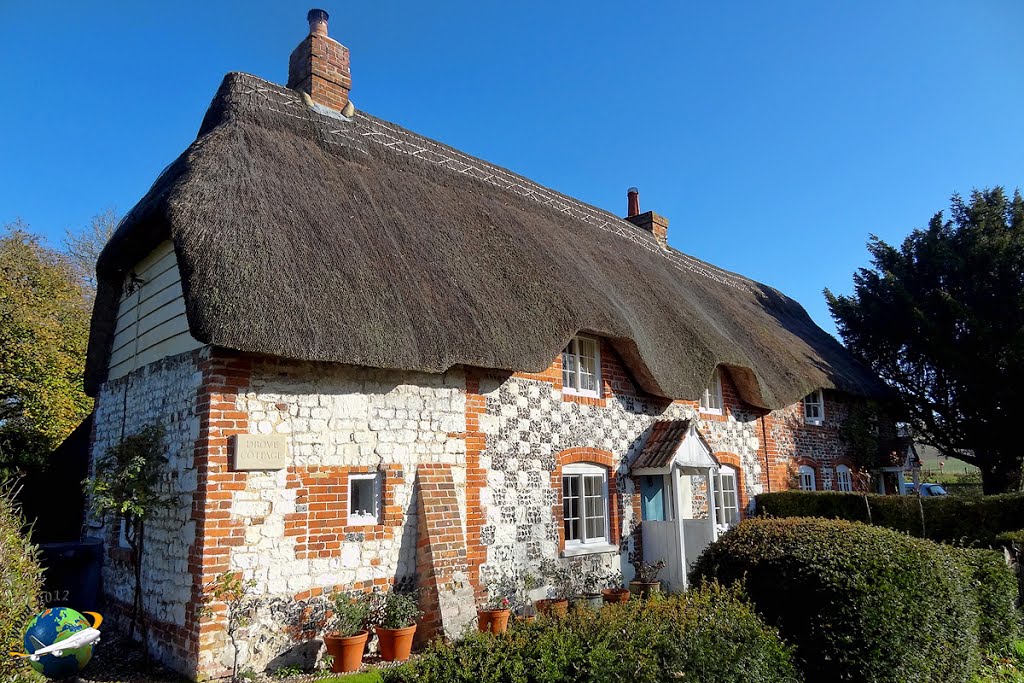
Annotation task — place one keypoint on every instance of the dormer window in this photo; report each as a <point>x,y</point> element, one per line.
<point>581,367</point>
<point>711,401</point>
<point>814,408</point>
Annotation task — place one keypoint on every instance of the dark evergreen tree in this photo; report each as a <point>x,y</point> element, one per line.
<point>941,320</point>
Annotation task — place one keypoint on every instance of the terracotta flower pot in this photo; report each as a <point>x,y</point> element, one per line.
<point>552,607</point>
<point>527,618</point>
<point>644,590</point>
<point>613,595</point>
<point>395,643</point>
<point>346,651</point>
<point>492,620</point>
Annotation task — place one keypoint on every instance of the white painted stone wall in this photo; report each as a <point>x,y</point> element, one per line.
<point>336,416</point>
<point>161,393</point>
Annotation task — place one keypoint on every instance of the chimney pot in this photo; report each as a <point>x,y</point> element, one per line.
<point>317,19</point>
<point>633,203</point>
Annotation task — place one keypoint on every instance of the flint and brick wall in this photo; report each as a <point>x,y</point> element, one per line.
<point>492,443</point>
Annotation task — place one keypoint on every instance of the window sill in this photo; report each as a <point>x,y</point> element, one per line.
<point>814,423</point>
<point>709,411</point>
<point>594,549</point>
<point>580,394</point>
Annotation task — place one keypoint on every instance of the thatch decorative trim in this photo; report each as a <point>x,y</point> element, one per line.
<point>350,239</point>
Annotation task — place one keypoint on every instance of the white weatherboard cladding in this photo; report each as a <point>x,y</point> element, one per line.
<point>151,322</point>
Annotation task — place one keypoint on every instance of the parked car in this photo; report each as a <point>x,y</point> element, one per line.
<point>926,489</point>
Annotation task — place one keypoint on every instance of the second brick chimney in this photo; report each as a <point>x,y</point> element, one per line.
<point>649,221</point>
<point>319,66</point>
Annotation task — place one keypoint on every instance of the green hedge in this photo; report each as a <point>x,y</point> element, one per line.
<point>705,635</point>
<point>860,603</point>
<point>948,519</point>
<point>1015,537</point>
<point>20,583</point>
<point>994,587</point>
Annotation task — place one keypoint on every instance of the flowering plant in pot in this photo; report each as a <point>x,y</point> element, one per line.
<point>612,590</point>
<point>645,579</point>
<point>393,614</point>
<point>493,616</point>
<point>346,641</point>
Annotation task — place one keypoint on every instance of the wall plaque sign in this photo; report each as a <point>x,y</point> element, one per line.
<point>261,452</point>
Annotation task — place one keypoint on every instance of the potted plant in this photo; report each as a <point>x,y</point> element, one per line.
<point>393,615</point>
<point>560,580</point>
<point>525,609</point>
<point>493,616</point>
<point>587,583</point>
<point>346,642</point>
<point>612,590</point>
<point>645,581</point>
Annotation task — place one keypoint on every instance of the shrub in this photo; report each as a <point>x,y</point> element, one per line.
<point>994,589</point>
<point>710,634</point>
<point>20,581</point>
<point>860,603</point>
<point>1011,538</point>
<point>971,521</point>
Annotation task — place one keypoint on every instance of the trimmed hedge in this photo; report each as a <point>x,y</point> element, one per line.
<point>1015,537</point>
<point>860,603</point>
<point>20,582</point>
<point>710,634</point>
<point>994,587</point>
<point>968,521</point>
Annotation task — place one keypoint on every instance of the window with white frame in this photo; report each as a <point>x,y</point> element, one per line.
<point>364,498</point>
<point>711,401</point>
<point>585,504</point>
<point>814,408</point>
<point>844,478</point>
<point>727,498</point>
<point>807,478</point>
<point>581,367</point>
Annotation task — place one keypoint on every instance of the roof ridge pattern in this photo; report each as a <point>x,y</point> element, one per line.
<point>367,128</point>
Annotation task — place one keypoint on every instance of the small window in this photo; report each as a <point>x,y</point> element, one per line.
<point>814,408</point>
<point>711,401</point>
<point>122,534</point>
<point>807,479</point>
<point>585,504</point>
<point>581,367</point>
<point>364,499</point>
<point>844,478</point>
<point>727,500</point>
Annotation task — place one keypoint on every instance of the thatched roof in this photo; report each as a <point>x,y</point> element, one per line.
<point>307,236</point>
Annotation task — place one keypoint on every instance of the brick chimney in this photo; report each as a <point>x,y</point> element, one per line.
<point>319,66</point>
<point>649,221</point>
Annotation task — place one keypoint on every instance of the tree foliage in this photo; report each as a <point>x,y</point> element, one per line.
<point>941,320</point>
<point>44,322</point>
<point>46,298</point>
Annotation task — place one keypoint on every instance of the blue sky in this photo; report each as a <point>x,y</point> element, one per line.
<point>774,136</point>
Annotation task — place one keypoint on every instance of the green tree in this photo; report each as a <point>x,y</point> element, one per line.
<point>44,323</point>
<point>126,485</point>
<point>941,320</point>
